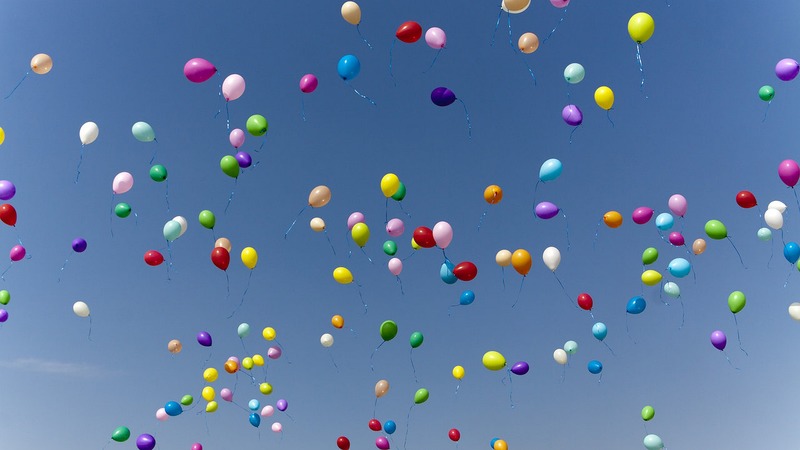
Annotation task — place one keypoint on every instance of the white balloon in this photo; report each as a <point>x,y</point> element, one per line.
<point>88,133</point>
<point>794,311</point>
<point>317,224</point>
<point>560,356</point>
<point>777,204</point>
<point>551,258</point>
<point>183,223</point>
<point>326,340</point>
<point>774,219</point>
<point>80,309</point>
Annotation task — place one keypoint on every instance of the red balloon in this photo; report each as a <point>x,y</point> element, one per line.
<point>8,214</point>
<point>746,199</point>
<point>423,236</point>
<point>153,258</point>
<point>465,271</point>
<point>454,434</point>
<point>409,32</point>
<point>585,301</point>
<point>221,258</point>
<point>343,443</point>
<point>375,425</point>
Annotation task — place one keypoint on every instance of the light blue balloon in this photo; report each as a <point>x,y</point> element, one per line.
<point>791,251</point>
<point>571,347</point>
<point>253,405</point>
<point>349,67</point>
<point>764,234</point>
<point>255,419</point>
<point>467,297</point>
<point>243,330</point>
<point>389,427</point>
<point>550,170</point>
<point>574,73</point>
<point>595,366</point>
<point>172,230</point>
<point>143,132</point>
<point>653,442</point>
<point>680,267</point>
<point>599,330</point>
<point>636,305</point>
<point>664,221</point>
<point>446,272</point>
<point>672,289</point>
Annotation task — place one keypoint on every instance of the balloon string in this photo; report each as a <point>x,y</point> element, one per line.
<point>62,269</point>
<point>233,192</point>
<point>3,275</point>
<point>520,291</point>
<point>361,296</point>
<point>737,252</point>
<point>480,222</point>
<point>155,151</point>
<point>783,239</point>
<point>530,71</point>
<point>571,133</point>
<point>496,26</point>
<point>510,42</point>
<point>408,421</point>
<point>372,357</point>
<point>169,263</point>
<point>80,161</point>
<point>510,389</point>
<point>771,251</point>
<point>434,60</point>
<point>466,113</point>
<point>227,285</point>
<point>365,254</point>
<point>766,110</point>
<point>293,222</point>
<point>358,28</point>
<point>641,66</point>
<point>458,386</point>
<point>166,194</point>
<point>413,368</point>
<point>450,310</point>
<point>227,115</point>
<point>347,240</point>
<point>563,373</point>
<point>15,87</point>
<point>628,329</point>
<point>564,214</point>
<point>391,49</point>
<point>334,362</point>
<point>796,197</point>
<point>241,302</point>
<point>303,109</point>
<point>360,94</point>
<point>729,360</point>
<point>400,282</point>
<point>329,241</point>
<point>563,16</point>
<point>608,116</point>
<point>739,337</point>
<point>90,328</point>
<point>564,289</point>
<point>683,313</point>
<point>596,234</point>
<point>535,191</point>
<point>661,295</point>
<point>609,348</point>
<point>789,275</point>
<point>408,214</point>
<point>375,407</point>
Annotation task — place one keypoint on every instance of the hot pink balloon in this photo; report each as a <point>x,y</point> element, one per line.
<point>308,83</point>
<point>161,414</point>
<point>678,205</point>
<point>382,443</point>
<point>236,137</point>
<point>642,215</point>
<point>789,172</point>
<point>226,394</point>
<point>17,253</point>
<point>355,218</point>
<point>197,446</point>
<point>122,183</point>
<point>435,38</point>
<point>559,3</point>
<point>395,227</point>
<point>267,411</point>
<point>233,87</point>
<point>676,239</point>
<point>395,266</point>
<point>442,234</point>
<point>198,70</point>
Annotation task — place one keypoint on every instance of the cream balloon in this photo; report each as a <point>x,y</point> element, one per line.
<point>88,133</point>
<point>503,258</point>
<point>224,243</point>
<point>80,309</point>
<point>351,12</point>
<point>560,356</point>
<point>317,224</point>
<point>41,63</point>
<point>794,311</point>
<point>326,340</point>
<point>774,219</point>
<point>551,258</point>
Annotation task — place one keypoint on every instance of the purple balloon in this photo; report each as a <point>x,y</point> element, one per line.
<point>676,239</point>
<point>244,159</point>
<point>17,253</point>
<point>282,404</point>
<point>718,340</point>
<point>572,115</point>
<point>204,339</point>
<point>642,215</point>
<point>274,352</point>
<point>787,69</point>
<point>79,245</point>
<point>546,210</point>
<point>520,368</point>
<point>354,218</point>
<point>3,315</point>
<point>198,70</point>
<point>145,442</point>
<point>441,96</point>
<point>7,190</point>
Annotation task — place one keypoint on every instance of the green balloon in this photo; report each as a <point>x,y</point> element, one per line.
<point>649,256</point>
<point>121,434</point>
<point>230,166</point>
<point>257,125</point>
<point>187,400</point>
<point>716,230</point>
<point>416,339</point>
<point>390,248</point>
<point>648,413</point>
<point>736,301</point>
<point>5,297</point>
<point>421,396</point>
<point>766,93</point>
<point>207,219</point>
<point>388,330</point>
<point>158,173</point>
<point>122,210</point>
<point>401,192</point>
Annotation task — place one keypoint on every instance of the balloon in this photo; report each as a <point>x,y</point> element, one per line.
<point>423,236</point>
<point>599,331</point>
<point>319,196</point>
<point>88,133</point>
<point>678,205</point>
<point>257,125</point>
<point>676,239</point>
<point>266,389</point>
<point>153,258</point>
<point>41,63</point>
<point>174,346</point>
<point>208,393</point>
<point>421,396</point>
<point>8,214</point>
<point>255,419</point>
<point>546,210</point>
<point>794,311</point>
<point>736,301</point>
<point>317,224</point>
<point>243,330</point>
<point>122,183</point>
<point>232,87</point>
<point>254,405</point>
<point>2,135</point>
<point>435,38</point>
<point>182,223</point>
<point>17,253</point>
<point>198,70</point>
<point>355,218</point>
<point>390,247</point>
<point>395,227</point>
<point>466,298</point>
<point>766,93</point>
<point>764,234</point>
<point>446,272</point>
<point>5,297</point>
<point>791,251</point>
<point>409,32</point>
<point>375,425</point>
<point>454,434</point>
<point>442,234</point>
<point>595,366</point>
<point>395,266</point>
<point>326,340</point>
<point>442,96</point>
<point>400,194</point>
<point>342,275</point>
<point>268,333</point>
<point>349,66</point>
<point>143,132</point>
<point>574,73</point>
<point>698,246</point>
<point>552,258</point>
<point>3,315</point>
<point>231,366</point>
<point>204,339</point>
<point>274,352</point>
<point>210,375</point>
<point>207,219</point>
<point>612,219</point>
<point>774,219</point>
<point>746,199</point>
<point>390,183</point>
<point>571,347</point>
<point>521,260</point>
<point>572,115</point>
<point>642,215</point>
<point>648,413</point>
<point>641,27</point>
<point>680,267</point>
<point>229,166</point>
<point>158,173</point>
<point>80,309</point>
<point>458,372</point>
<point>351,12</point>
<point>337,321</point>
<point>249,257</point>
<point>281,405</point>
<point>161,414</point>
<point>7,189</point>
<point>789,172</point>
<point>416,339</point>
<point>515,7</point>
<point>247,362</point>
<point>173,409</point>
<point>718,340</point>
<point>651,277</point>
<point>381,388</point>
<point>267,411</point>
<point>243,159</point>
<point>360,234</point>
<point>388,330</point>
<point>389,427</point>
<point>382,443</point>
<point>585,301</point>
<point>636,305</point>
<point>528,43</point>
<point>121,434</point>
<point>664,221</point>
<point>604,97</point>
<point>465,271</point>
<point>211,406</point>
<point>221,258</point>
<point>236,137</point>
<point>672,289</point>
<point>145,442</point>
<point>122,210</point>
<point>493,360</point>
<point>560,356</point>
<point>197,446</point>
<point>716,230</point>
<point>503,258</point>
<point>653,442</point>
<point>787,69</point>
<point>343,443</point>
<point>550,170</point>
<point>520,368</point>
<point>308,83</point>
<point>778,205</point>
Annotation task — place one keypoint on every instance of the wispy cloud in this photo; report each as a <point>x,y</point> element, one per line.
<point>53,367</point>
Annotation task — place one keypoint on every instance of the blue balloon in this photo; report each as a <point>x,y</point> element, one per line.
<point>550,170</point>
<point>255,420</point>
<point>680,267</point>
<point>253,405</point>
<point>664,221</point>
<point>491,443</point>
<point>595,366</point>
<point>467,297</point>
<point>446,272</point>
<point>389,427</point>
<point>791,251</point>
<point>636,305</point>
<point>349,66</point>
<point>173,409</point>
<point>600,331</point>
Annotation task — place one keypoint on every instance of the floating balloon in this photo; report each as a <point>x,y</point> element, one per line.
<point>382,443</point>
<point>158,173</point>
<point>17,253</point>
<point>716,230</point>
<point>766,93</point>
<point>435,38</point>
<point>599,331</point>
<point>442,96</point>
<point>121,434</point>
<point>612,219</point>
<point>787,69</point>
<point>574,73</point>
<point>122,183</point>
<point>520,368</point>
<point>789,172</point>
<point>466,298</point>
<point>604,97</point>
<point>343,443</point>
<point>676,238</point>
<point>81,309</point>
<point>680,267</point>
<point>794,311</point>
<point>572,115</point>
<point>198,70</point>
<point>7,189</point>
<point>642,215</point>
<point>641,27</point>
<point>143,132</point>
<point>233,87</point>
<point>221,258</point>
<point>653,442</point>
<point>718,340</point>
<point>349,67</point>
<point>493,360</point>
<point>651,277</point>
<point>257,125</point>
<point>521,261</point>
<point>546,210</point>
<point>571,347</point>
<point>423,236</point>
<point>672,289</point>
<point>778,205</point>
<point>492,194</point>
<point>550,170</point>
<point>409,32</point>
<point>736,301</point>
<point>122,210</point>
<point>244,159</point>
<point>319,196</point>
<point>360,234</point>
<point>774,219</point>
<point>236,137</point>
<point>664,221</point>
<point>594,367</point>
<point>309,82</point>
<point>442,234</point>
<point>636,305</point>
<point>698,246</point>
<point>585,301</point>
<point>458,371</point>
<point>388,330</point>
<point>229,166</point>
<point>204,339</point>
<point>395,266</point>
<point>174,346</point>
<point>528,43</point>
<point>421,396</point>
<point>791,251</point>
<point>145,442</point>
<point>395,227</point>
<point>678,205</point>
<point>465,271</point>
<point>746,199</point>
<point>551,258</point>
<point>8,214</point>
<point>560,356</point>
<point>375,425</point>
<point>381,388</point>
<point>153,258</point>
<point>41,63</point>
<point>503,258</point>
<point>88,133</point>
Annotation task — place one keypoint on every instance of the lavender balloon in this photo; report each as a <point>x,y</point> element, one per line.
<point>244,159</point>
<point>520,368</point>
<point>572,115</point>
<point>79,245</point>
<point>441,96</point>
<point>546,210</point>
<point>282,404</point>
<point>7,190</point>
<point>718,340</point>
<point>787,69</point>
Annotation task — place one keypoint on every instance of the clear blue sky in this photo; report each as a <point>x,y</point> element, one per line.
<point>699,133</point>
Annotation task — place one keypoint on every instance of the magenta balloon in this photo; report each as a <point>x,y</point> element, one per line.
<point>789,172</point>
<point>7,190</point>
<point>17,253</point>
<point>382,443</point>
<point>572,115</point>
<point>559,3</point>
<point>354,218</point>
<point>676,239</point>
<point>236,137</point>
<point>718,340</point>
<point>787,69</point>
<point>198,70</point>
<point>197,446</point>
<point>308,83</point>
<point>642,215</point>
<point>546,210</point>
<point>145,442</point>
<point>395,227</point>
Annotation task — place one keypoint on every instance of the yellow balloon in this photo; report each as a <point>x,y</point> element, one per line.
<point>210,374</point>
<point>528,43</point>
<point>211,406</point>
<point>208,393</point>
<point>351,12</point>
<point>414,244</point>
<point>458,372</point>
<point>268,333</point>
<point>641,27</point>
<point>248,363</point>
<point>265,388</point>
<point>360,234</point>
<point>337,321</point>
<point>2,135</point>
<point>604,97</point>
<point>258,360</point>
<point>493,194</point>
<point>342,275</point>
<point>500,445</point>
<point>41,63</point>
<point>317,224</point>
<point>493,360</point>
<point>224,243</point>
<point>503,258</point>
<point>651,277</point>
<point>319,196</point>
<point>249,257</point>
<point>613,219</point>
<point>389,184</point>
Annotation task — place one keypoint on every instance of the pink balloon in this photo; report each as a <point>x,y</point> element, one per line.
<point>395,227</point>
<point>435,38</point>
<point>676,239</point>
<point>442,234</point>
<point>198,70</point>
<point>161,414</point>
<point>233,358</point>
<point>236,137</point>
<point>197,446</point>
<point>308,83</point>
<point>267,411</point>
<point>382,443</point>
<point>123,183</point>
<point>17,253</point>
<point>277,427</point>
<point>233,87</point>
<point>226,394</point>
<point>642,215</point>
<point>789,172</point>
<point>354,218</point>
<point>274,352</point>
<point>678,205</point>
<point>559,3</point>
<point>395,266</point>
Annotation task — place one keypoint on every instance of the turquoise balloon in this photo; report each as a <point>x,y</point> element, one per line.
<point>446,272</point>
<point>243,330</point>
<point>172,230</point>
<point>764,234</point>
<point>664,221</point>
<point>679,267</point>
<point>599,331</point>
<point>550,170</point>
<point>574,73</point>
<point>143,132</point>
<point>653,442</point>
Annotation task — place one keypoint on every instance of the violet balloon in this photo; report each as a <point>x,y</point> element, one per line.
<point>7,190</point>
<point>198,70</point>
<point>3,315</point>
<point>145,442</point>
<point>789,172</point>
<point>281,405</point>
<point>787,69</point>
<point>572,115</point>
<point>520,368</point>
<point>244,159</point>
<point>642,215</point>
<point>204,339</point>
<point>355,218</point>
<point>308,83</point>
<point>441,96</point>
<point>79,245</point>
<point>718,340</point>
<point>546,210</point>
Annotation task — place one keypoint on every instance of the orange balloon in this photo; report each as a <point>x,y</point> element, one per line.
<point>231,366</point>
<point>521,261</point>
<point>698,246</point>
<point>493,194</point>
<point>174,346</point>
<point>41,63</point>
<point>528,43</point>
<point>337,321</point>
<point>500,445</point>
<point>319,197</point>
<point>381,388</point>
<point>613,219</point>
